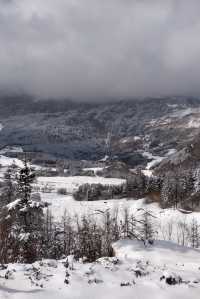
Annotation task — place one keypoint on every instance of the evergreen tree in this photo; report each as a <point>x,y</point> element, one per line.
<point>8,193</point>
<point>25,178</point>
<point>29,216</point>
<point>194,234</point>
<point>146,229</point>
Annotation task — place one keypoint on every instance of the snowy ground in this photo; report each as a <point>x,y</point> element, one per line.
<point>168,223</point>
<point>6,161</point>
<point>136,272</point>
<point>72,183</point>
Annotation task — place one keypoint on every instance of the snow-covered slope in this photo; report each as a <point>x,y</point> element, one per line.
<point>6,161</point>
<point>161,271</point>
<point>160,253</point>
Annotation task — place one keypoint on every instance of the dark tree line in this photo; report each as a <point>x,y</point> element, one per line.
<point>179,189</point>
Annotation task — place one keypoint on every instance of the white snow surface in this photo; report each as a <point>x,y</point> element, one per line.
<point>155,160</point>
<point>193,123</point>
<point>168,222</point>
<point>7,161</point>
<point>110,278</point>
<point>13,204</point>
<point>147,172</point>
<point>171,151</point>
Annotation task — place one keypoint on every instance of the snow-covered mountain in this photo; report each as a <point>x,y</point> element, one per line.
<point>134,257</point>
<point>123,130</point>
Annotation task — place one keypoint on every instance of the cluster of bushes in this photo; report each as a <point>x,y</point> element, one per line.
<point>90,237</point>
<point>134,187</point>
<point>62,191</point>
<point>90,192</point>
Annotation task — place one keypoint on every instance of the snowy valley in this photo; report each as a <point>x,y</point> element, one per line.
<point>99,149</point>
<point>104,227</point>
<point>137,268</point>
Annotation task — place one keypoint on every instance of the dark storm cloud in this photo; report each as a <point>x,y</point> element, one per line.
<point>100,48</point>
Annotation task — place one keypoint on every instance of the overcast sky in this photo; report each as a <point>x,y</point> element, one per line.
<point>100,48</point>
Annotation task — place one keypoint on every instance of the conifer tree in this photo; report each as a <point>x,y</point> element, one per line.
<point>29,215</point>
<point>194,233</point>
<point>146,230</point>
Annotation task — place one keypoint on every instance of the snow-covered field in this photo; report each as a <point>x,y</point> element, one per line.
<point>136,272</point>
<point>6,161</point>
<point>168,223</point>
<point>72,183</point>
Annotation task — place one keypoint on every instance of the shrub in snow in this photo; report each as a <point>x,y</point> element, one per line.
<point>95,280</point>
<point>9,274</point>
<point>126,284</point>
<point>3,267</point>
<point>172,279</point>
<point>62,191</point>
<point>107,261</point>
<point>66,281</point>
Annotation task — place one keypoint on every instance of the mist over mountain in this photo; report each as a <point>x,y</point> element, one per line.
<point>100,49</point>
